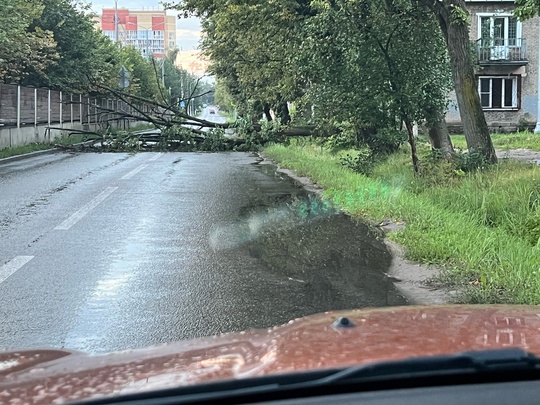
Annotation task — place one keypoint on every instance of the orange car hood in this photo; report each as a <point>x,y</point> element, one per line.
<point>310,343</point>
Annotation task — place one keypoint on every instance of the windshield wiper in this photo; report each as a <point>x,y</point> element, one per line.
<point>461,368</point>
<point>465,362</point>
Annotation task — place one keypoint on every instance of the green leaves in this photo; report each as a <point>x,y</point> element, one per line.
<point>527,8</point>
<point>362,64</point>
<point>23,49</point>
<point>372,65</point>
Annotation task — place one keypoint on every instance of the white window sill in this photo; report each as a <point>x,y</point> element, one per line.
<point>500,109</point>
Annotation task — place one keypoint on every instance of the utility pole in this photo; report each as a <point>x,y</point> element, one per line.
<point>116,20</point>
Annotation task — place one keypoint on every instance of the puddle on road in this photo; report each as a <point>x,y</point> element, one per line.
<point>341,262</point>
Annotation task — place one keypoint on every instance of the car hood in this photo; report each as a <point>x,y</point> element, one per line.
<point>310,343</point>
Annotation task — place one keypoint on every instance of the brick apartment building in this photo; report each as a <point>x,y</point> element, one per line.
<point>507,51</point>
<point>152,32</point>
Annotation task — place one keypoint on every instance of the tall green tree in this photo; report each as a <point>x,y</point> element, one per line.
<point>144,74</point>
<point>24,49</point>
<point>251,47</point>
<point>254,46</point>
<point>86,57</point>
<point>375,70</point>
<point>454,23</point>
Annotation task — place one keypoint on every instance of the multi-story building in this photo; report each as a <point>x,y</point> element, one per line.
<point>507,73</point>
<point>152,32</point>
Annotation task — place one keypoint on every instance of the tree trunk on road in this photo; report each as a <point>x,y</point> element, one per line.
<point>453,20</point>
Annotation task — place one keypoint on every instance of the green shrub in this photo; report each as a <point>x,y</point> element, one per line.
<point>385,140</point>
<point>359,161</point>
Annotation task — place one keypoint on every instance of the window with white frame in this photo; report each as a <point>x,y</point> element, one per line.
<point>500,34</point>
<point>503,30</point>
<point>499,92</point>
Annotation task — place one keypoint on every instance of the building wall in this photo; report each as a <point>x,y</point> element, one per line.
<point>152,32</point>
<point>503,121</point>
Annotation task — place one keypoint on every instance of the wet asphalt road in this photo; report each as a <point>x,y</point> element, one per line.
<point>103,252</point>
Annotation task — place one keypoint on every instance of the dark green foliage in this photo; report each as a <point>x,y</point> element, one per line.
<point>384,141</point>
<point>359,161</point>
<point>85,55</point>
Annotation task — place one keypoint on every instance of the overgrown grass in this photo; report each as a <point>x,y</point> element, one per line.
<point>21,150</point>
<point>518,140</point>
<point>483,228</point>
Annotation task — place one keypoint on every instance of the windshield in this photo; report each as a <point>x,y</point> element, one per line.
<point>180,170</point>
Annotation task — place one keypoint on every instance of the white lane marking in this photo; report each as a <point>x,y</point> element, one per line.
<point>133,172</point>
<point>12,266</point>
<point>156,157</point>
<point>77,216</point>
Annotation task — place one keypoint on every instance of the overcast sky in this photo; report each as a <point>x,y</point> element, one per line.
<point>188,30</point>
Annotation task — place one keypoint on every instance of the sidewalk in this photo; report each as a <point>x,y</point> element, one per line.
<point>526,155</point>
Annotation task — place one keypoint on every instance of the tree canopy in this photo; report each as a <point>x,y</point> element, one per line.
<point>527,8</point>
<point>360,62</point>
<point>24,49</point>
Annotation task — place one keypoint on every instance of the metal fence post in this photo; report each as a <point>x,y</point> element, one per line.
<point>49,108</point>
<point>18,106</point>
<point>61,108</point>
<point>71,107</point>
<point>35,107</point>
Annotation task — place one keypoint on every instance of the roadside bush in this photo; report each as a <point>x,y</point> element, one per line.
<point>470,161</point>
<point>385,141</point>
<point>345,138</point>
<point>359,161</point>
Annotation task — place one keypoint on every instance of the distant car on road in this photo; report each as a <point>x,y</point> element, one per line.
<point>212,111</point>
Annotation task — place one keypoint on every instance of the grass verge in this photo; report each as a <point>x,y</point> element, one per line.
<point>518,140</point>
<point>34,147</point>
<point>483,228</point>
<point>21,150</point>
<point>60,140</point>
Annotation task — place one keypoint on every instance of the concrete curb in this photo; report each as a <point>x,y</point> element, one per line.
<point>39,153</point>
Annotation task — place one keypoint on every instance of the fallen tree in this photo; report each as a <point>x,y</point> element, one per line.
<point>175,129</point>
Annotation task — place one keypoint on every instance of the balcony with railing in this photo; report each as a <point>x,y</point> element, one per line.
<point>502,51</point>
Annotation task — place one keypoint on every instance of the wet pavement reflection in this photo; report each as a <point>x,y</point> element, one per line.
<point>334,261</point>
<point>191,245</point>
